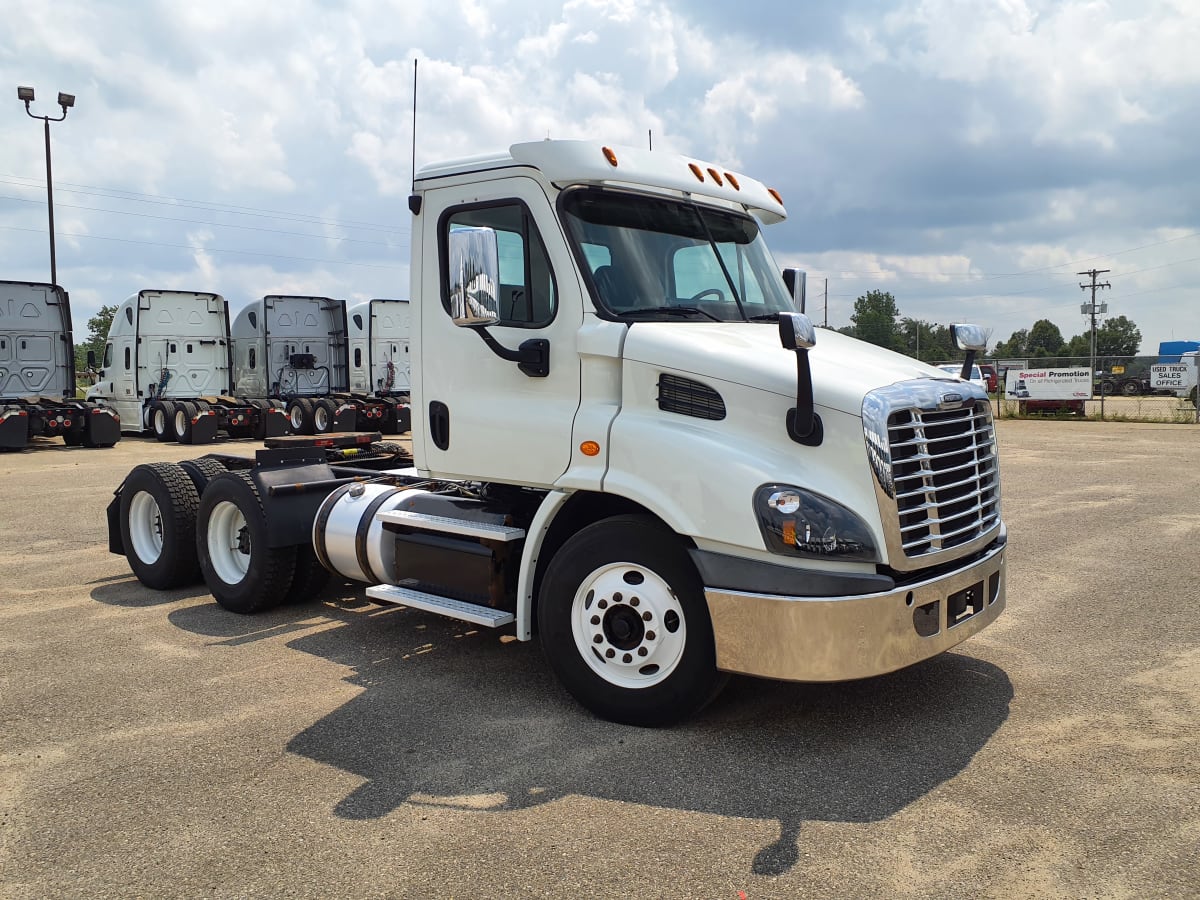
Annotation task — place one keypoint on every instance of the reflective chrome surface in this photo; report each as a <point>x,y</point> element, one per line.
<point>839,638</point>
<point>474,276</point>
<point>970,337</point>
<point>932,447</point>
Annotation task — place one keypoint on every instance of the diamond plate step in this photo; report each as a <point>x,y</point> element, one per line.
<point>445,606</point>
<point>447,525</point>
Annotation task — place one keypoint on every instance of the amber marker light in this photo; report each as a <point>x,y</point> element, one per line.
<point>610,156</point>
<point>716,176</point>
<point>589,448</point>
<point>733,181</point>
<point>697,171</point>
<point>774,193</point>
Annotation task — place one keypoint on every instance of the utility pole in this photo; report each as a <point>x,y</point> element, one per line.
<point>826,302</point>
<point>1091,308</point>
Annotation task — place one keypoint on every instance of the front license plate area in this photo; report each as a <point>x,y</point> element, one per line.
<point>961,605</point>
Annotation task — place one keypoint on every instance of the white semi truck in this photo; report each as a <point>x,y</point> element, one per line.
<point>311,355</point>
<point>37,373</point>
<point>168,368</point>
<point>379,361</point>
<point>628,440</point>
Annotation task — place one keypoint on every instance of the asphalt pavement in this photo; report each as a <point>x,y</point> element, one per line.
<point>154,745</point>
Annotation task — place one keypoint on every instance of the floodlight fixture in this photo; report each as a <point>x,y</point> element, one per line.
<point>25,93</point>
<point>66,100</point>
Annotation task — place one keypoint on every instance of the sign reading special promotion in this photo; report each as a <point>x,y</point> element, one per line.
<point>1048,384</point>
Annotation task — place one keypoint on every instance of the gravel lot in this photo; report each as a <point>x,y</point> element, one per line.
<point>154,745</point>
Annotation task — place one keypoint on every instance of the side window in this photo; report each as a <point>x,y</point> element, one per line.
<point>528,296</point>
<point>107,355</point>
<point>127,359</point>
<point>358,357</point>
<point>252,358</point>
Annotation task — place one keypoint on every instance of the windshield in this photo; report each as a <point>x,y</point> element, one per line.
<point>976,375</point>
<point>658,258</point>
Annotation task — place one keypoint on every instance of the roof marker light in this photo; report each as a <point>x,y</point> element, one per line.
<point>716,176</point>
<point>774,193</point>
<point>697,171</point>
<point>610,156</point>
<point>733,181</point>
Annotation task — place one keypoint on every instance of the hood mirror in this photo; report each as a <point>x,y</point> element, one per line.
<point>797,333</point>
<point>971,338</point>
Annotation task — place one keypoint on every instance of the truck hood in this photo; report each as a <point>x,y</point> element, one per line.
<point>749,354</point>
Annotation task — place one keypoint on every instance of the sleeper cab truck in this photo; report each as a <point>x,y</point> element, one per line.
<point>37,373</point>
<point>167,369</point>
<point>628,439</point>
<point>379,361</point>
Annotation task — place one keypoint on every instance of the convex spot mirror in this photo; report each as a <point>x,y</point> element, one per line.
<point>970,337</point>
<point>796,331</point>
<point>474,277</point>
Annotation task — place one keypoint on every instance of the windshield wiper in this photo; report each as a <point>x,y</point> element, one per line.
<point>684,311</point>
<point>766,317</point>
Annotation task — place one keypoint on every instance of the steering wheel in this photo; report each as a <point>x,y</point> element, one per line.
<point>716,292</point>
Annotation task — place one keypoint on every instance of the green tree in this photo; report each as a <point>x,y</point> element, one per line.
<point>1045,339</point>
<point>98,326</point>
<point>1118,337</point>
<point>874,319</point>
<point>1015,347</point>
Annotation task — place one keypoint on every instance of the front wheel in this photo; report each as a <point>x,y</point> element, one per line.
<point>158,525</point>
<point>243,573</point>
<point>624,624</point>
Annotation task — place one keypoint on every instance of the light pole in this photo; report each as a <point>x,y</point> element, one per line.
<point>66,101</point>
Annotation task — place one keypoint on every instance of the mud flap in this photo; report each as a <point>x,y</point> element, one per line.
<point>272,422</point>
<point>113,512</point>
<point>14,429</point>
<point>101,427</point>
<point>345,418</point>
<point>204,427</point>
<point>403,418</point>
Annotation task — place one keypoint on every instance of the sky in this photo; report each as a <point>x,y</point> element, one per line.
<point>968,156</point>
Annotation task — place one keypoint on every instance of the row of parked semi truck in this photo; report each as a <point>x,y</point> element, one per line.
<point>177,365</point>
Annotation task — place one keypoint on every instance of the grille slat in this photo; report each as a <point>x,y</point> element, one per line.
<point>944,476</point>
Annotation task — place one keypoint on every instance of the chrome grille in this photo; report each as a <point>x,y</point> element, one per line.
<point>945,476</point>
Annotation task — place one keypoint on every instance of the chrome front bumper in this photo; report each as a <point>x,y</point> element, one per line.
<point>841,638</point>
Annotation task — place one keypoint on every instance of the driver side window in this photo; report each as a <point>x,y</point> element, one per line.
<point>527,292</point>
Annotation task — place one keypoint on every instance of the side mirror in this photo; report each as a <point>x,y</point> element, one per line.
<point>971,338</point>
<point>796,333</point>
<point>91,359</point>
<point>474,277</point>
<point>796,281</point>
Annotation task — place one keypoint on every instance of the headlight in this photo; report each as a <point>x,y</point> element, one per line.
<point>796,522</point>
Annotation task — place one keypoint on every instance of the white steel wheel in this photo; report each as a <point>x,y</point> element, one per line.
<point>628,625</point>
<point>623,621</point>
<point>145,527</point>
<point>321,418</point>
<point>296,418</point>
<point>228,541</point>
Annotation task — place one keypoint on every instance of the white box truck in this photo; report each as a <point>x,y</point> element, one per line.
<point>168,368</point>
<point>37,373</point>
<point>628,439</point>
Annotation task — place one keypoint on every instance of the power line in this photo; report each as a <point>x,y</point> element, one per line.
<point>203,249</point>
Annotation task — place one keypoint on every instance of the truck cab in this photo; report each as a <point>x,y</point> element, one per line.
<point>607,325</point>
<point>379,349</point>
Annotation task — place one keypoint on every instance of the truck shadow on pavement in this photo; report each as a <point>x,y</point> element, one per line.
<point>454,717</point>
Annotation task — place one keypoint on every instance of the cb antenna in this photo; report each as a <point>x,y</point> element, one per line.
<point>414,201</point>
<point>650,138</point>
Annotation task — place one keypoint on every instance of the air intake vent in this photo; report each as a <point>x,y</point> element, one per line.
<point>689,398</point>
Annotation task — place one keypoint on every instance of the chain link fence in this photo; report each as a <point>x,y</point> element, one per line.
<point>1129,389</point>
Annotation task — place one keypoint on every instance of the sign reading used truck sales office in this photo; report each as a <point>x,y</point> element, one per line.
<point>1171,377</point>
<point>1048,384</point>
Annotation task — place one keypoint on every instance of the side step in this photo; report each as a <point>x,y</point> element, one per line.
<point>445,606</point>
<point>426,522</point>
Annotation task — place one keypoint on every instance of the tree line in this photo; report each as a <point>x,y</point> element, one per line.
<point>877,320</point>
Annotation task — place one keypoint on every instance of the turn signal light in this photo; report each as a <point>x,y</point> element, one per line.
<point>589,448</point>
<point>610,156</point>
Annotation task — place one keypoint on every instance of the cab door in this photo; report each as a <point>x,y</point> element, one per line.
<point>486,417</point>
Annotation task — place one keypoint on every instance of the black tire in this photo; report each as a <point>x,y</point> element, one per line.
<point>203,470</point>
<point>300,416</point>
<point>309,579</point>
<point>158,525</point>
<point>162,414</point>
<point>181,422</point>
<point>1131,389</point>
<point>669,621</point>
<point>242,572</point>
<point>324,412</point>
<point>74,438</point>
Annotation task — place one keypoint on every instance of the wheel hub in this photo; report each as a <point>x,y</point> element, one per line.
<point>243,540</point>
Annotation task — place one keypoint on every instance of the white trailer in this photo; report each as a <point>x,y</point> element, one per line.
<point>37,372</point>
<point>627,435</point>
<point>168,368</point>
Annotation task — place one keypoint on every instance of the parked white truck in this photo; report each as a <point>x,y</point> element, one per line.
<point>379,360</point>
<point>37,372</point>
<point>168,368</point>
<point>298,350</point>
<point>629,440</point>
